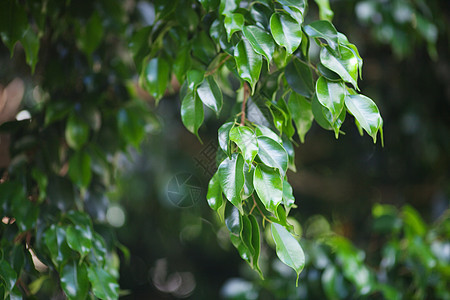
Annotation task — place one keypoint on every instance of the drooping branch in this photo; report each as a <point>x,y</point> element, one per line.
<point>246,94</point>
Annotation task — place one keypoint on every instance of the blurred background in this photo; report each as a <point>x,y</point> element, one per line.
<point>177,246</point>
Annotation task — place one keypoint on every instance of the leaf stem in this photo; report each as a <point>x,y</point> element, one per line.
<point>260,211</point>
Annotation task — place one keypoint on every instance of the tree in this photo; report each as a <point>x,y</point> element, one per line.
<point>229,56</point>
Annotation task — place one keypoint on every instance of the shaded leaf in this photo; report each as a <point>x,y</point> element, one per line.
<point>301,114</point>
<point>104,285</point>
<point>299,77</point>
<point>157,75</point>
<point>80,168</point>
<point>233,220</point>
<point>74,280</point>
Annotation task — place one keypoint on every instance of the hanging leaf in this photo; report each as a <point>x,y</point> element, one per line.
<point>231,177</point>
<point>331,95</point>
<point>74,280</point>
<point>214,195</point>
<point>272,154</point>
<point>157,75</point>
<point>256,244</point>
<point>366,113</point>
<point>288,249</point>
<point>248,184</point>
<point>325,12</point>
<point>300,4</point>
<point>210,94</point>
<point>248,62</point>
<point>245,138</point>
<point>224,137</point>
<point>286,31</point>
<point>261,41</point>
<point>288,196</point>
<point>269,187</point>
<point>77,131</point>
<point>192,112</point>
<point>79,238</point>
<point>299,77</point>
<point>233,23</point>
<point>301,114</point>
<point>345,66</point>
<point>233,220</point>
<point>55,240</point>
<point>80,169</point>
<point>325,30</point>
<point>262,130</point>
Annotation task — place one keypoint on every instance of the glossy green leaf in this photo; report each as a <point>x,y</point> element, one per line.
<point>214,195</point>
<point>74,280</point>
<point>299,77</point>
<point>233,23</point>
<point>272,154</point>
<point>210,94</point>
<point>231,177</point>
<point>366,113</point>
<point>343,40</point>
<point>182,62</point>
<point>192,112</point>
<point>157,75</point>
<point>300,4</point>
<point>325,11</point>
<point>288,127</point>
<point>104,285</point>
<point>331,95</point>
<point>248,62</point>
<point>262,130</point>
<point>243,250</point>
<point>248,189</point>
<point>325,30</point>
<point>79,238</point>
<point>288,248</point>
<point>261,41</point>
<point>131,126</point>
<point>245,138</point>
<point>279,117</point>
<point>228,6</point>
<point>194,78</point>
<point>327,73</point>
<point>55,240</point>
<point>246,236</point>
<point>286,31</point>
<point>288,196</point>
<point>325,119</point>
<point>7,275</point>
<point>233,220</point>
<point>296,12</point>
<point>24,211</point>
<point>261,14</point>
<point>77,131</point>
<point>256,244</point>
<point>80,168</point>
<point>269,187</point>
<point>203,47</point>
<point>345,66</point>
<point>224,137</point>
<point>301,114</point>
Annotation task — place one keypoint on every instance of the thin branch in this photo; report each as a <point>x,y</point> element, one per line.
<point>260,211</point>
<point>218,66</point>
<point>246,94</point>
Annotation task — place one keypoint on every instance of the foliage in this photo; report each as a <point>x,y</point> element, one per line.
<point>247,62</point>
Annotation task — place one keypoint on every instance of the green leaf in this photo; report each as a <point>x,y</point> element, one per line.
<point>80,169</point>
<point>90,35</point>
<point>286,31</point>
<point>79,238</point>
<point>233,23</point>
<point>261,14</point>
<point>325,11</point>
<point>104,285</point>
<point>248,183</point>
<point>256,244</point>
<point>182,62</point>
<point>192,112</point>
<point>210,94</point>
<point>278,115</point>
<point>301,114</point>
<point>194,79</point>
<point>366,113</point>
<point>30,43</point>
<point>262,130</point>
<point>269,187</point>
<point>13,22</point>
<point>233,220</point>
<point>245,138</point>
<point>131,125</point>
<point>157,75</point>
<point>299,77</point>
<point>224,137</point>
<point>331,95</point>
<point>325,30</point>
<point>272,154</point>
<point>248,62</point>
<point>74,280</point>
<point>228,6</point>
<point>214,195</point>
<point>231,177</point>
<point>261,41</point>
<point>345,66</point>
<point>324,118</point>
<point>77,131</point>
<point>288,249</point>
<point>288,196</point>
<point>343,40</point>
<point>243,250</point>
<point>7,275</point>
<point>300,4</point>
<point>55,240</point>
